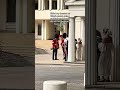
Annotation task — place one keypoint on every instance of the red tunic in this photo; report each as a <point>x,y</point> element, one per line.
<point>62,42</point>
<point>55,44</point>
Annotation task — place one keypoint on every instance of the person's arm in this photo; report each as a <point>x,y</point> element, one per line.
<point>58,43</point>
<point>53,43</point>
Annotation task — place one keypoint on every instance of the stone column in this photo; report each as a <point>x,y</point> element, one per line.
<point>71,41</point>
<point>83,37</point>
<point>39,4</point>
<point>18,16</point>
<point>61,33</point>
<point>61,5</point>
<point>25,16</point>
<point>50,4</point>
<point>46,33</point>
<point>114,26</point>
<point>42,4</point>
<point>77,27</point>
<point>43,25</point>
<point>58,4</point>
<point>90,44</point>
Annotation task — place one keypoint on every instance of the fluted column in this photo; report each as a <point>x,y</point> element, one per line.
<point>71,41</point>
<point>90,44</point>
<point>114,26</point>
<point>18,16</point>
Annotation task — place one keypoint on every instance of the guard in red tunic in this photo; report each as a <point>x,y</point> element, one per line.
<point>55,47</point>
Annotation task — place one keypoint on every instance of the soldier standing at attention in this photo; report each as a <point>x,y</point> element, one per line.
<point>55,47</point>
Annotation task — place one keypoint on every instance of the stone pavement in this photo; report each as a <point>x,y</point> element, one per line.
<point>72,74</point>
<point>21,78</point>
<point>47,69</point>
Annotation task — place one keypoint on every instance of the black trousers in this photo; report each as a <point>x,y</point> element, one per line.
<point>54,56</point>
<point>66,55</point>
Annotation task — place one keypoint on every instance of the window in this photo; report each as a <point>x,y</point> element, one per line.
<point>11,10</point>
<point>36,6</point>
<point>54,4</point>
<point>39,29</point>
<point>46,4</point>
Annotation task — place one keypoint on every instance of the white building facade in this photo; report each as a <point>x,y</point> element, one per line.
<point>74,27</point>
<point>44,29</point>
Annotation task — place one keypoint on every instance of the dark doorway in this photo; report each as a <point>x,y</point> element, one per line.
<point>11,10</point>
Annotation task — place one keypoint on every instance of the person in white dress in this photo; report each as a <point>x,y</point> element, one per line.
<point>105,59</point>
<point>79,46</point>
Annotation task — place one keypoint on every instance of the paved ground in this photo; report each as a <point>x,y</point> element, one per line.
<point>16,78</point>
<point>72,74</point>
<point>47,69</point>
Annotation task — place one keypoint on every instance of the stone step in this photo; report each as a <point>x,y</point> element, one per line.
<point>22,44</point>
<point>11,26</point>
<point>22,50</point>
<point>17,39</point>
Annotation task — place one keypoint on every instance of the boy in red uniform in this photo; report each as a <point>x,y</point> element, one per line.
<point>55,47</point>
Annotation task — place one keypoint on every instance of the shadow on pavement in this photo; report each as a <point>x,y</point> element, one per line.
<point>40,51</point>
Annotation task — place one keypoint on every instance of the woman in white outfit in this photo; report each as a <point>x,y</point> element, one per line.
<point>79,46</point>
<point>105,59</point>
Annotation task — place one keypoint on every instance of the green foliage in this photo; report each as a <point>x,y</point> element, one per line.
<point>60,27</point>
